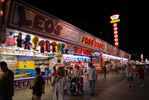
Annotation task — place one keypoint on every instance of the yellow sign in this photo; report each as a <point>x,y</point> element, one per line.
<point>115,21</point>
<point>29,65</point>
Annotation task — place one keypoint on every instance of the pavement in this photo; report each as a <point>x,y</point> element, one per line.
<point>113,87</point>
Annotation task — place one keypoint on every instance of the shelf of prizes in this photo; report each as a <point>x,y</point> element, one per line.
<point>24,52</point>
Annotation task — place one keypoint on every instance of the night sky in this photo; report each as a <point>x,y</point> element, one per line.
<point>94,19</point>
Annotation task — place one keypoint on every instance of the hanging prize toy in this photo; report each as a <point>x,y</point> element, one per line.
<point>62,48</point>
<point>19,40</point>
<point>27,42</point>
<point>41,44</point>
<point>35,40</point>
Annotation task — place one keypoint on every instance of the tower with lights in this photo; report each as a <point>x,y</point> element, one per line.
<point>114,20</point>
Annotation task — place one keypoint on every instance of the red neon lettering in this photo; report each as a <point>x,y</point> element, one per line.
<point>95,43</point>
<point>76,50</point>
<point>100,45</point>
<point>83,39</point>
<point>86,40</point>
<point>103,47</point>
<point>92,42</point>
<point>38,22</point>
<point>89,41</point>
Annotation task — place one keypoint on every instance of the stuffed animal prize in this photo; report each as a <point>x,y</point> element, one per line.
<point>41,44</point>
<point>58,46</point>
<point>35,40</point>
<point>27,42</point>
<point>62,48</point>
<point>53,44</point>
<point>19,40</point>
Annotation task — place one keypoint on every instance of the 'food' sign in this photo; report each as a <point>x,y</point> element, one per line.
<point>94,43</point>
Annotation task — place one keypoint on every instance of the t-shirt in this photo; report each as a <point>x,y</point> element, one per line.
<point>92,73</point>
<point>70,73</point>
<point>141,73</point>
<point>104,69</point>
<point>7,89</point>
<point>129,71</point>
<point>37,87</point>
<point>77,73</point>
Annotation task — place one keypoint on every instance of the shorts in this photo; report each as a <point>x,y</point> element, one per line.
<point>130,78</point>
<point>34,97</point>
<point>141,80</point>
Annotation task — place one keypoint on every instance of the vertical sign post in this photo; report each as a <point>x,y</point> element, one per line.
<point>114,20</point>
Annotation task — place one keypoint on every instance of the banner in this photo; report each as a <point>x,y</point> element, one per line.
<point>93,42</point>
<point>26,19</point>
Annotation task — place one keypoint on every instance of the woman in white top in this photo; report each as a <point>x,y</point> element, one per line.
<point>60,85</point>
<point>129,74</point>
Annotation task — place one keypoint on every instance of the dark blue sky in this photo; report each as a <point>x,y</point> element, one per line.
<point>133,27</point>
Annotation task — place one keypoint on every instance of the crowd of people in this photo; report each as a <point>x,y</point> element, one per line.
<point>74,76</point>
<point>64,82</point>
<point>139,71</point>
<point>61,81</point>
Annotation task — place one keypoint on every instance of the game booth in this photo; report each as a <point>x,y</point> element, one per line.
<point>32,37</point>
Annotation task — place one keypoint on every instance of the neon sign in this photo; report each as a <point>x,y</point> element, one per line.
<point>73,58</point>
<point>93,42</point>
<point>114,20</point>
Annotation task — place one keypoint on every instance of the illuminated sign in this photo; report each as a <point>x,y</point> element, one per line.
<point>114,20</point>
<point>84,52</point>
<point>93,43</point>
<point>74,58</point>
<point>115,28</point>
<point>97,54</point>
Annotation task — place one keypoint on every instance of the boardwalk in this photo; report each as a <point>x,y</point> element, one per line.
<point>114,87</point>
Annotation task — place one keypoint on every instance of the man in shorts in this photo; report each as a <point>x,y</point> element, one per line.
<point>38,87</point>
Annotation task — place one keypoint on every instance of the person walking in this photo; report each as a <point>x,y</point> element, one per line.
<point>104,71</point>
<point>6,82</point>
<point>38,86</point>
<point>141,73</point>
<point>129,74</point>
<point>92,77</point>
<point>60,85</point>
<point>53,74</point>
<point>77,75</point>
<point>70,73</point>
